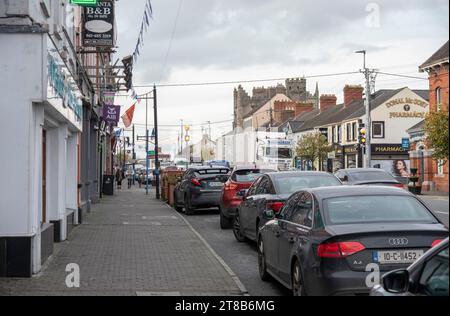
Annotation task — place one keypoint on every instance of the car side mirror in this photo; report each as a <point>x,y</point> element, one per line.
<point>396,282</point>
<point>268,215</point>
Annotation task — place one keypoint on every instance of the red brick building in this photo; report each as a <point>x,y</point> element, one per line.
<point>434,174</point>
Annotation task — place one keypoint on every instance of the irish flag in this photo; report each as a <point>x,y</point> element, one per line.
<point>127,118</point>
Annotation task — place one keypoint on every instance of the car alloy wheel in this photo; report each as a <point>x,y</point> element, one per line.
<point>298,288</point>
<point>237,229</point>
<point>262,261</point>
<point>175,203</point>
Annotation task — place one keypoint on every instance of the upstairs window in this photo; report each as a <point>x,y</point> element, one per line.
<point>438,99</point>
<point>378,129</point>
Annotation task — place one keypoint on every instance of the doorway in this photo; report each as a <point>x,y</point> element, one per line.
<point>44,176</point>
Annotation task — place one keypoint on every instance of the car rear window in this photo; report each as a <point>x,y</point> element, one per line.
<point>371,175</point>
<point>245,176</point>
<point>373,209</point>
<point>212,171</point>
<point>294,183</point>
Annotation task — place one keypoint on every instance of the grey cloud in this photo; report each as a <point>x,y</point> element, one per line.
<point>231,34</point>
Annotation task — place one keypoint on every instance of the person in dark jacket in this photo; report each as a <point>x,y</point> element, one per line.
<point>119,178</point>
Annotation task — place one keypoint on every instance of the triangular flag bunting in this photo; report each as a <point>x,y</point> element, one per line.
<point>127,118</point>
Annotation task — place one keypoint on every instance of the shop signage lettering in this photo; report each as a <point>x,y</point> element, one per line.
<point>402,101</point>
<point>389,149</point>
<point>421,115</point>
<point>62,87</point>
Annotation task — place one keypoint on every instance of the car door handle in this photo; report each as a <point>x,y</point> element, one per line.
<point>277,234</point>
<point>292,240</point>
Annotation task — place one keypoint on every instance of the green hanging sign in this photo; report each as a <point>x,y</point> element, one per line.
<point>84,2</point>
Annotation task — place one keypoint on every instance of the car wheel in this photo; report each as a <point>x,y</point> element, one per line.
<point>298,287</point>
<point>263,274</point>
<point>237,231</point>
<point>175,203</point>
<point>187,206</point>
<point>225,223</point>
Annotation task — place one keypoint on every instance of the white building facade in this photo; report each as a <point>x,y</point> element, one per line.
<point>41,108</point>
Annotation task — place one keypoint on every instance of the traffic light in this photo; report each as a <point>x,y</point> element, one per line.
<point>128,71</point>
<point>362,132</point>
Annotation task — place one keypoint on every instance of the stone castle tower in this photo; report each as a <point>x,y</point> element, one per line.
<point>295,89</point>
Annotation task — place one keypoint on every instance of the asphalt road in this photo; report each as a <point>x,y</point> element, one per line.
<point>439,205</point>
<point>241,257</point>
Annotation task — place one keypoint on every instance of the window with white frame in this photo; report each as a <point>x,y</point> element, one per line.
<point>378,130</point>
<point>440,167</point>
<point>349,132</point>
<point>339,128</point>
<point>355,131</point>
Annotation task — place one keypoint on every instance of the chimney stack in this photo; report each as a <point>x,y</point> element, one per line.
<point>327,101</point>
<point>352,93</point>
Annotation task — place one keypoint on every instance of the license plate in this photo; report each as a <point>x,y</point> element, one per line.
<point>397,256</point>
<point>216,184</point>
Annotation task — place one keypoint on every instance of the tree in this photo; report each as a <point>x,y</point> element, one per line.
<point>313,146</point>
<point>436,128</point>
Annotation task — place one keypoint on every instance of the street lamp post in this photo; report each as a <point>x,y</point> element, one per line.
<point>367,74</point>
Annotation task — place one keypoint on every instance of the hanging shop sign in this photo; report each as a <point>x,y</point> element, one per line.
<point>62,85</point>
<point>111,114</point>
<point>98,24</point>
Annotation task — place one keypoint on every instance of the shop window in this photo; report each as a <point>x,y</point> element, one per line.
<point>438,99</point>
<point>378,129</point>
<point>440,167</point>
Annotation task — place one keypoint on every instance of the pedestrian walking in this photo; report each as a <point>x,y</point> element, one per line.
<point>130,178</point>
<point>119,178</point>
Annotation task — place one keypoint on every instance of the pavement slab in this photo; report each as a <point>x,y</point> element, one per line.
<point>132,245</point>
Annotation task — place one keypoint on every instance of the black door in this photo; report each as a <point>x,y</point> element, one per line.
<point>294,233</point>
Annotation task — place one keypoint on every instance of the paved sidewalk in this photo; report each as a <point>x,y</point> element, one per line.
<point>132,245</point>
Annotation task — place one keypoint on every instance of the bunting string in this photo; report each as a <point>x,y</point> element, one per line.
<point>145,24</point>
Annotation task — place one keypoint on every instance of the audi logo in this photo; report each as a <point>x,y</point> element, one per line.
<point>398,241</point>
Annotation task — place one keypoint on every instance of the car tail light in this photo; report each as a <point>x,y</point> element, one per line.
<point>232,186</point>
<point>196,182</point>
<point>399,185</point>
<point>275,206</point>
<point>339,249</point>
<point>436,242</point>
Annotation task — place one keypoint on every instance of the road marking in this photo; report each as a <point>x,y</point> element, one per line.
<point>158,294</point>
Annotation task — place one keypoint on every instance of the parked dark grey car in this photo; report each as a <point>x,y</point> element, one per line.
<point>270,192</point>
<point>426,277</point>
<point>325,238</point>
<point>200,187</point>
<point>369,176</point>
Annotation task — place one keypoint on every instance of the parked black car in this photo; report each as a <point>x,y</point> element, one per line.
<point>270,192</point>
<point>367,176</point>
<point>200,187</point>
<point>325,238</point>
<point>426,277</point>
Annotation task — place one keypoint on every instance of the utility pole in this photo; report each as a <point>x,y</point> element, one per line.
<point>157,170</point>
<point>367,74</point>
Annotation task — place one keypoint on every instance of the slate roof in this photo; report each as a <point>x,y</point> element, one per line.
<point>440,56</point>
<point>419,127</point>
<point>356,109</point>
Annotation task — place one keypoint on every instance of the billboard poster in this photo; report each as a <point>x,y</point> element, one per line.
<point>98,24</point>
<point>396,167</point>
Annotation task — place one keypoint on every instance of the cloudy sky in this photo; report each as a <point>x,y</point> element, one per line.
<point>237,40</point>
